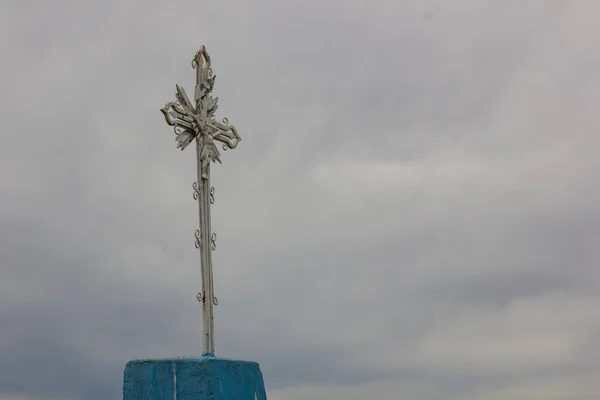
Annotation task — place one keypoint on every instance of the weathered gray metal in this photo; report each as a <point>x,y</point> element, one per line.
<point>199,123</point>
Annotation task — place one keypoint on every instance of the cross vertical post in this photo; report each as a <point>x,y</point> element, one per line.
<point>196,121</point>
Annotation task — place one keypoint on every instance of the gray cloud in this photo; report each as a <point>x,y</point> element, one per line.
<point>412,210</point>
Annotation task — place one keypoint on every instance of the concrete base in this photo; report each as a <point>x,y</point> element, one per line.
<point>204,378</point>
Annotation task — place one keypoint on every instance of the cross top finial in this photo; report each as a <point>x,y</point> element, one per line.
<point>205,80</point>
<point>200,57</point>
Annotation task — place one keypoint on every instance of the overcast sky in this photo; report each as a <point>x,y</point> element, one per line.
<point>412,211</point>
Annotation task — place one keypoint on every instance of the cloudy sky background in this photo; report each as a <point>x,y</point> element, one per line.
<point>412,211</point>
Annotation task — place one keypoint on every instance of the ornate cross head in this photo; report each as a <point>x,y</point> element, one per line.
<point>190,122</point>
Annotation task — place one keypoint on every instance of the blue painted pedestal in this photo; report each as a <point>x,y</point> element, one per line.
<point>204,378</point>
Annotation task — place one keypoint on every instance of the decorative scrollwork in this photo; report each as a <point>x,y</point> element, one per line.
<point>198,236</point>
<point>201,297</point>
<point>212,195</point>
<point>213,241</point>
<point>196,193</point>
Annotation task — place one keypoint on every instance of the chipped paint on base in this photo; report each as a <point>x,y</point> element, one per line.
<point>174,382</point>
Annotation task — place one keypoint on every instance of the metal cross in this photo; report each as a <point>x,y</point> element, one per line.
<point>198,122</point>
